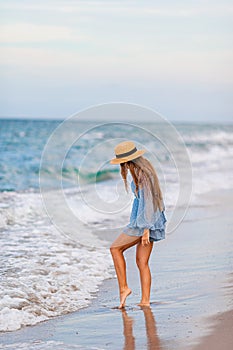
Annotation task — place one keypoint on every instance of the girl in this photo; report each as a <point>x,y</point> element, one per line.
<point>147,219</point>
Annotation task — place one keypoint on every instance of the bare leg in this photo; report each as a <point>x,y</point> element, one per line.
<point>117,248</point>
<point>142,259</point>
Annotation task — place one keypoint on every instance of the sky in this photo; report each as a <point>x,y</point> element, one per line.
<point>59,57</point>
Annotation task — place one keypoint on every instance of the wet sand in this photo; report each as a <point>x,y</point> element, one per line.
<point>221,336</point>
<point>191,296</point>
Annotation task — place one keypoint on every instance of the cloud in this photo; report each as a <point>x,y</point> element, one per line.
<point>35,33</point>
<point>179,9</point>
<point>64,66</point>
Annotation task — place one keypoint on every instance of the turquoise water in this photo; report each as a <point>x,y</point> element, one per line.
<point>22,143</point>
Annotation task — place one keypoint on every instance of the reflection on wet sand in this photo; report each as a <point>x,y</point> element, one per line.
<point>128,331</point>
<point>153,342</point>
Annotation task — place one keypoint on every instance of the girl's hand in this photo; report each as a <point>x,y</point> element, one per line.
<point>146,237</point>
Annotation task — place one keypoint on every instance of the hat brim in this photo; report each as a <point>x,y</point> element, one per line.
<point>126,159</point>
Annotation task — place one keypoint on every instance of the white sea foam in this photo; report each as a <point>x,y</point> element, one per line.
<point>210,137</point>
<point>44,274</point>
<point>48,345</point>
<point>212,169</point>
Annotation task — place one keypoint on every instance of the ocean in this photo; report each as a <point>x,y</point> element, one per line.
<point>59,198</point>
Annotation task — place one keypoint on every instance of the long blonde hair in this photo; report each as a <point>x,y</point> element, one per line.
<point>144,176</point>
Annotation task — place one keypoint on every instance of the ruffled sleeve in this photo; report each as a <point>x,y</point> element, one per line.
<point>143,214</point>
<point>146,216</point>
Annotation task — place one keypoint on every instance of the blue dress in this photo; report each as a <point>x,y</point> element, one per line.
<point>143,216</point>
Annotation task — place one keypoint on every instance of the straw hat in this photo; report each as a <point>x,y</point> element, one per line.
<point>125,151</point>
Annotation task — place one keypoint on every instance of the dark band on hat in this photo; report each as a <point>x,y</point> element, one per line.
<point>123,155</point>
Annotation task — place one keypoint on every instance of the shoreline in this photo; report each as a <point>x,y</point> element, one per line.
<point>189,275</point>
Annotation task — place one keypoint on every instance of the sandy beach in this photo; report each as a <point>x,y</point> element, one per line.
<point>191,296</point>
<point>221,336</point>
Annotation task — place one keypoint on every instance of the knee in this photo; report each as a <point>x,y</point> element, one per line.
<point>141,263</point>
<point>114,250</point>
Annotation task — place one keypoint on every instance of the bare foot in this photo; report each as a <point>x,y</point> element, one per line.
<point>123,295</point>
<point>144,304</point>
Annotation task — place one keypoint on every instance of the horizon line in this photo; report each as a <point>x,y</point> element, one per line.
<point>60,119</point>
